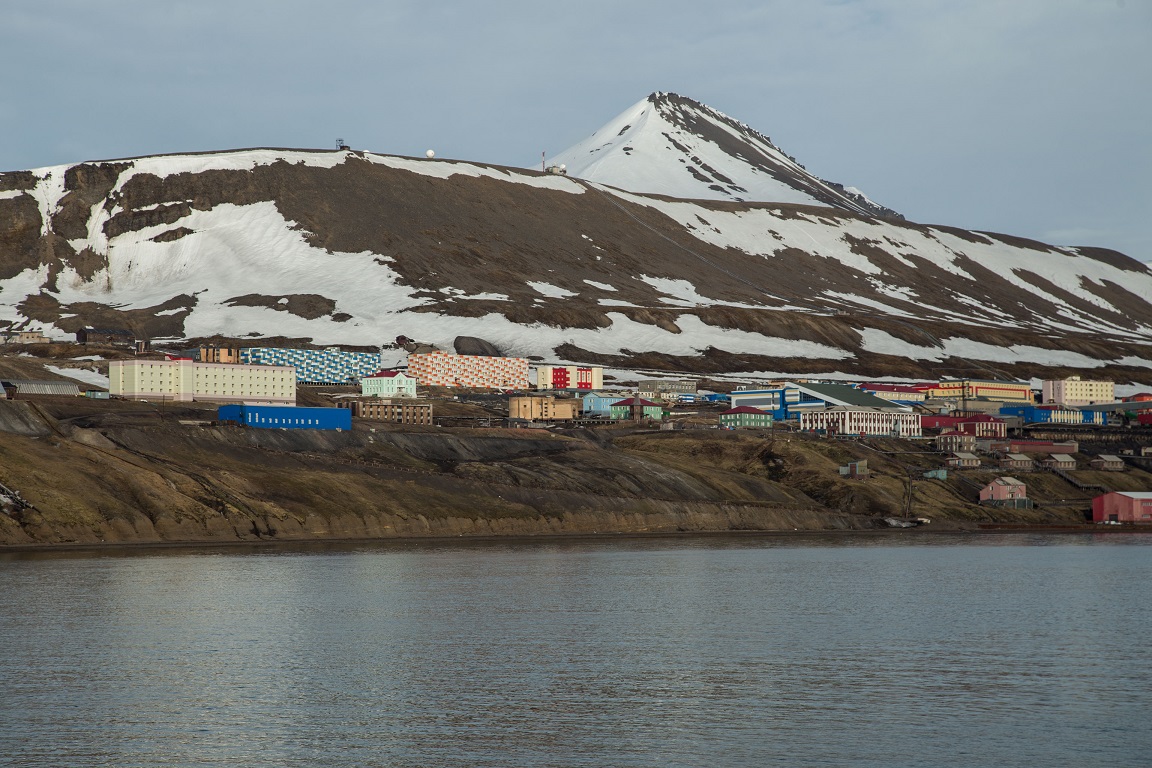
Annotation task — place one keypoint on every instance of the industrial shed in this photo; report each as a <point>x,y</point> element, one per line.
<point>20,388</point>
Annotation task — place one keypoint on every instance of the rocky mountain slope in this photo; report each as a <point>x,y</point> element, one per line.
<point>354,248</point>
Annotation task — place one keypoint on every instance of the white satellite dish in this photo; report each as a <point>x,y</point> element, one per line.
<point>430,154</point>
<point>563,167</point>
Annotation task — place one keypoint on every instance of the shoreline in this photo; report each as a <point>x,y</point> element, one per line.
<point>993,529</point>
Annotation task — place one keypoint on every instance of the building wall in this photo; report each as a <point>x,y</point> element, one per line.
<point>598,405</point>
<point>399,413</point>
<point>624,412</point>
<point>219,355</point>
<point>1008,391</point>
<point>1126,509</point>
<point>1003,492</point>
<point>440,369</point>
<point>542,408</point>
<point>388,386</point>
<point>569,377</point>
<point>316,366</point>
<point>185,380</point>
<point>853,422</point>
<point>285,417</point>
<point>1076,391</point>
<point>746,419</point>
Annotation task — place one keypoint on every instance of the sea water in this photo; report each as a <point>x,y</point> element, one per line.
<point>839,650</point>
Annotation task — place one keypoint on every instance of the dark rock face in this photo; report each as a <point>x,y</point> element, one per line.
<point>470,345</point>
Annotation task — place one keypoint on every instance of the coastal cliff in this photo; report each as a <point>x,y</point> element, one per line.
<point>163,475</point>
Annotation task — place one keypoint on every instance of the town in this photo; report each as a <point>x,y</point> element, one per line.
<point>964,426</point>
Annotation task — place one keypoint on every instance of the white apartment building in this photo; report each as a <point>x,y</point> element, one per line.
<point>860,421</point>
<point>1075,391</point>
<point>187,380</point>
<point>388,384</point>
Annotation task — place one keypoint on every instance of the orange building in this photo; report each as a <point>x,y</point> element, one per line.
<point>440,369</point>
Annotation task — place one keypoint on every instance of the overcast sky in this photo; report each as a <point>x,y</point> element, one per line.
<point>1031,117</point>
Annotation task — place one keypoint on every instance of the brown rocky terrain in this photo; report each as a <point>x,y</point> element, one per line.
<point>138,472</point>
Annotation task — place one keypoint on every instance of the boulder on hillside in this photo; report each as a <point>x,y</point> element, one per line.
<point>470,345</point>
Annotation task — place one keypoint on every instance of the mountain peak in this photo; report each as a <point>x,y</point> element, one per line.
<point>672,145</point>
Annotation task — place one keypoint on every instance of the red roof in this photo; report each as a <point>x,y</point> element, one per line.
<point>637,401</point>
<point>744,409</point>
<point>383,375</point>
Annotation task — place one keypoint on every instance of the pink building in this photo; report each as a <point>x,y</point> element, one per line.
<point>1003,489</point>
<point>1122,507</point>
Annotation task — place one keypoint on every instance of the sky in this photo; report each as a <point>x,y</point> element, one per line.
<point>1029,117</point>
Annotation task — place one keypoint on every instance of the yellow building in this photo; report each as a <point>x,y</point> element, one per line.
<point>186,380</point>
<point>1075,391</point>
<point>969,389</point>
<point>542,408</point>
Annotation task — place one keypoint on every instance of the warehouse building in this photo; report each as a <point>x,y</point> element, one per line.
<point>285,417</point>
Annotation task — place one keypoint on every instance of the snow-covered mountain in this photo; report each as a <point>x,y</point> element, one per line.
<point>671,145</point>
<point>354,248</point>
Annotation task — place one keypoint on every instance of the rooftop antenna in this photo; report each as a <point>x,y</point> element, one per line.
<point>341,145</point>
<point>543,161</point>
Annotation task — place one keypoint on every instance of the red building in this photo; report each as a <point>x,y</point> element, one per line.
<point>1122,507</point>
<point>1005,491</point>
<point>979,425</point>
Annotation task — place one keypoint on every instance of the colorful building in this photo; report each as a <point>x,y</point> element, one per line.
<point>977,425</point>
<point>791,400</point>
<point>746,417</point>
<point>1047,414</point>
<point>285,417</point>
<point>584,377</point>
<point>388,384</point>
<point>440,369</point>
<point>637,407</point>
<point>1076,391</point>
<point>186,380</point>
<point>1005,492</point>
<point>971,389</point>
<point>316,366</point>
<point>598,403</point>
<point>1123,507</point>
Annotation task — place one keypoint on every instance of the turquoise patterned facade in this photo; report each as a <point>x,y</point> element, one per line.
<point>316,366</point>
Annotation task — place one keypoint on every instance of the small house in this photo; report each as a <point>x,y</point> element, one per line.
<point>1108,463</point>
<point>1123,507</point>
<point>388,384</point>
<point>856,470</point>
<point>1016,461</point>
<point>745,416</point>
<point>1061,461</point>
<point>963,461</point>
<point>1005,492</point>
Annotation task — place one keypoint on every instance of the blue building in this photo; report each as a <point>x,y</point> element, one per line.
<point>285,417</point>
<point>790,401</point>
<point>1036,414</point>
<point>316,366</point>
<point>598,404</point>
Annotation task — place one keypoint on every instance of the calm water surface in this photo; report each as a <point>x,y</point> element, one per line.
<point>812,651</point>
